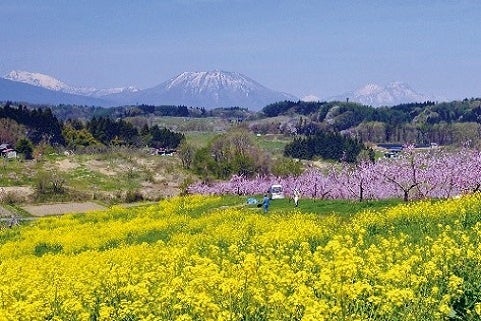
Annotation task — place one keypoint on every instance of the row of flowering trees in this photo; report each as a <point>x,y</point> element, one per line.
<point>415,174</point>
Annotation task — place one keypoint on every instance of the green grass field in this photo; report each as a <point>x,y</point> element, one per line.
<point>187,124</point>
<point>274,144</point>
<point>325,207</point>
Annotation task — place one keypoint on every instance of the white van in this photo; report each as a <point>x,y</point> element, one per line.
<point>276,192</point>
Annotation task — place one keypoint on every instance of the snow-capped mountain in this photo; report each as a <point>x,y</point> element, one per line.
<point>310,98</point>
<point>26,93</point>
<point>375,95</point>
<point>37,79</point>
<point>51,83</point>
<point>197,89</point>
<point>208,89</point>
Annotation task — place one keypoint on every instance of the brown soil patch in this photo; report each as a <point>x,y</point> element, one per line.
<point>66,164</point>
<point>101,167</point>
<point>16,193</point>
<point>23,190</point>
<point>145,162</point>
<point>158,191</point>
<point>62,208</point>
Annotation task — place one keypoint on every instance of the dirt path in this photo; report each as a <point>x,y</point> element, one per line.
<point>62,208</point>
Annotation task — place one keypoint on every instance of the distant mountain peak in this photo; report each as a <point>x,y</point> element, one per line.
<point>37,79</point>
<point>26,93</point>
<point>368,89</point>
<point>51,83</point>
<point>310,98</point>
<point>216,79</point>
<point>209,89</point>
<point>375,95</point>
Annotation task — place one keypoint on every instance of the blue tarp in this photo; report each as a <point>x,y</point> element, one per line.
<point>251,201</point>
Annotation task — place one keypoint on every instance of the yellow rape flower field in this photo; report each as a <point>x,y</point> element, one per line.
<point>193,259</point>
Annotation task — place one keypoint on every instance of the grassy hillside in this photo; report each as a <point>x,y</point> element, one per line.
<point>108,177</point>
<point>212,258</point>
<point>111,174</point>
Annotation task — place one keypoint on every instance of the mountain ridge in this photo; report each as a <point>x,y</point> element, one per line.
<point>16,91</point>
<point>209,89</point>
<point>52,83</point>
<point>394,93</point>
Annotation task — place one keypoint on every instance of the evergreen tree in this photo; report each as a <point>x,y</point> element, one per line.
<point>25,147</point>
<point>328,145</point>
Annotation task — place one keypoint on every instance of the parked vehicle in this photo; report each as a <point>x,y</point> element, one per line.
<point>276,192</point>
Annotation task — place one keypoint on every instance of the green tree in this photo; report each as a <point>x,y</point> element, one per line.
<point>371,131</point>
<point>25,147</point>
<point>204,164</point>
<point>286,166</point>
<point>186,153</point>
<point>231,153</point>
<point>328,145</point>
<point>164,137</point>
<point>78,137</point>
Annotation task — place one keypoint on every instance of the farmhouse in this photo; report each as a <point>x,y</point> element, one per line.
<point>165,151</point>
<point>7,151</point>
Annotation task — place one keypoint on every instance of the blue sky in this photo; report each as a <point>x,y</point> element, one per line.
<point>301,47</point>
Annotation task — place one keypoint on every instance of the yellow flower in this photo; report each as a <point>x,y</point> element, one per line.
<point>477,309</point>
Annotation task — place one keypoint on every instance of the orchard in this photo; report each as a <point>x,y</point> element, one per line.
<point>413,175</point>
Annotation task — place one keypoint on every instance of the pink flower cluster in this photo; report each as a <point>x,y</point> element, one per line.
<point>414,174</point>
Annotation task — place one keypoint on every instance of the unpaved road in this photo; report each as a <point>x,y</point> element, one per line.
<point>62,208</point>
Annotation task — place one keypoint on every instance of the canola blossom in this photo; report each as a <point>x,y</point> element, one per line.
<point>191,258</point>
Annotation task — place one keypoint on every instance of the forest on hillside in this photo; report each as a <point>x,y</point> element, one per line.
<point>327,130</point>
<point>40,126</point>
<point>446,123</point>
<point>84,113</point>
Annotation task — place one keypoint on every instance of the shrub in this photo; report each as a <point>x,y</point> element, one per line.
<point>44,248</point>
<point>132,196</point>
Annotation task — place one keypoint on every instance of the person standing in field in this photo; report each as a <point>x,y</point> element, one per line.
<point>265,203</point>
<point>296,197</point>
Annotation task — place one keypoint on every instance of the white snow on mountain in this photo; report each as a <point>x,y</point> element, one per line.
<point>94,92</point>
<point>37,79</point>
<point>215,81</point>
<point>51,83</point>
<point>197,89</point>
<point>394,93</point>
<point>22,92</point>
<point>310,98</point>
<point>210,89</point>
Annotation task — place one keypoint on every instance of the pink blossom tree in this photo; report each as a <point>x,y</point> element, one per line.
<point>414,174</point>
